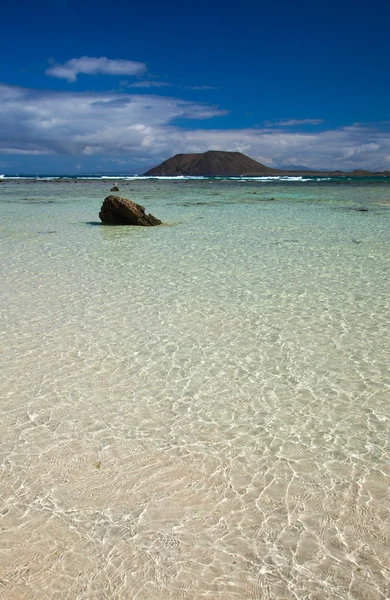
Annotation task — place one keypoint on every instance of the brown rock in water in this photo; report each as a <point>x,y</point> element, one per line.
<point>114,188</point>
<point>121,211</point>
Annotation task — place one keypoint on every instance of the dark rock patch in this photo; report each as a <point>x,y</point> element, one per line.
<point>121,211</point>
<point>35,201</point>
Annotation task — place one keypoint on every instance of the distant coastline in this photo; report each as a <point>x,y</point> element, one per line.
<point>211,164</point>
<point>287,176</point>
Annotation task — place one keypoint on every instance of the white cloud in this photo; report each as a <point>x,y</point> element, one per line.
<point>140,128</point>
<point>87,122</point>
<point>91,65</point>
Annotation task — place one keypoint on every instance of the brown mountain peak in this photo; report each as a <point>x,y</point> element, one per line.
<point>212,163</point>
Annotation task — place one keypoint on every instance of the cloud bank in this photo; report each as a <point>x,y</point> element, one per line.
<point>143,128</point>
<point>90,65</point>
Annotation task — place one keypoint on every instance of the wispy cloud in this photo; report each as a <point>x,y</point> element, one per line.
<point>145,84</point>
<point>202,87</point>
<point>293,122</point>
<point>138,128</point>
<point>91,65</point>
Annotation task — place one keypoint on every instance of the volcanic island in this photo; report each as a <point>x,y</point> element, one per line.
<point>218,163</point>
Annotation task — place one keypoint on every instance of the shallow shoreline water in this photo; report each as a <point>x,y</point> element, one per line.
<point>198,410</point>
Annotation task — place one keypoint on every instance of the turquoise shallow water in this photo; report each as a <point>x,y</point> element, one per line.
<point>197,410</point>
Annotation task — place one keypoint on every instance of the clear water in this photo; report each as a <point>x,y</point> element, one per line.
<point>201,409</point>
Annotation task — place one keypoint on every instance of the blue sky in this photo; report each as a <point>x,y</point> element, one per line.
<point>120,86</point>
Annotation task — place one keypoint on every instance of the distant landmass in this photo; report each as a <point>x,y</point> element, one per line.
<point>218,163</point>
<point>213,163</point>
<point>295,168</point>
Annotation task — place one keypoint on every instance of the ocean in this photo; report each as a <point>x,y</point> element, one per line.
<point>200,409</point>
